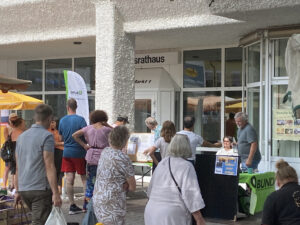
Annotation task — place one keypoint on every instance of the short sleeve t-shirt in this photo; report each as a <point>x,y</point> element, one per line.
<point>282,207</point>
<point>225,152</point>
<point>246,136</point>
<point>67,126</point>
<point>157,132</point>
<point>162,145</point>
<point>195,140</point>
<point>97,138</point>
<point>31,167</point>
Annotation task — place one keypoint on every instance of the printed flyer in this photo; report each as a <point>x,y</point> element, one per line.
<point>226,165</point>
<point>285,126</point>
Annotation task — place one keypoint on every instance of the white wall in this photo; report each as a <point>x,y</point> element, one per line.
<point>8,68</point>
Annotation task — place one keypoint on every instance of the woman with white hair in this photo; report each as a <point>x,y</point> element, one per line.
<point>174,193</point>
<point>115,176</point>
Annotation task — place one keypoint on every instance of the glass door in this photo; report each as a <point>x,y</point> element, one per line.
<point>143,108</point>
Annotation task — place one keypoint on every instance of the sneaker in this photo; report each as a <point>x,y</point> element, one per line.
<point>74,209</point>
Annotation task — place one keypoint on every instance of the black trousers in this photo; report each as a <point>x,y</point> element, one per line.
<point>158,157</point>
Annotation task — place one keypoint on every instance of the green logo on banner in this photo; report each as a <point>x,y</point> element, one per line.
<point>262,183</point>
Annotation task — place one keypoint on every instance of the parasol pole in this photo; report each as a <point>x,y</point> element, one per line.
<point>0,127</point>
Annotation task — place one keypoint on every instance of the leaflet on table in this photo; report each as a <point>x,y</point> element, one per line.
<point>226,165</point>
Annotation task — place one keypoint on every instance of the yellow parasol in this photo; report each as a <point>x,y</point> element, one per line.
<point>15,101</point>
<point>236,105</point>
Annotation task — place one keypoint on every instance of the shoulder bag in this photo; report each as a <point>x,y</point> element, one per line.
<point>7,153</point>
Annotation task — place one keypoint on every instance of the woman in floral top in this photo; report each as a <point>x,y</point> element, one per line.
<point>115,176</point>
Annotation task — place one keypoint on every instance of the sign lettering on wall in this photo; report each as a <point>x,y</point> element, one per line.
<point>166,58</point>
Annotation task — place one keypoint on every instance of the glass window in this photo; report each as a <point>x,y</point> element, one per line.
<point>142,110</point>
<point>202,68</point>
<point>253,63</point>
<point>233,104</point>
<point>86,68</point>
<point>279,57</point>
<point>28,115</point>
<point>233,67</point>
<point>177,110</point>
<point>58,104</point>
<point>31,70</point>
<point>285,129</point>
<point>206,108</point>
<point>91,103</point>
<point>253,108</point>
<point>55,73</point>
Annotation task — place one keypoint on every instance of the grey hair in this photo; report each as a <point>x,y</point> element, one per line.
<point>180,147</point>
<point>242,115</point>
<point>118,137</point>
<point>151,121</point>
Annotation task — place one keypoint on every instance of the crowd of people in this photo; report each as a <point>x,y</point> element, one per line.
<point>97,152</point>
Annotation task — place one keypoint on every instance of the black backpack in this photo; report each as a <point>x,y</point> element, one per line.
<point>7,153</point>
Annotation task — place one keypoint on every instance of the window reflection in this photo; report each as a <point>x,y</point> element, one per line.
<point>279,57</point>
<point>31,70</point>
<point>91,103</point>
<point>253,63</point>
<point>86,68</point>
<point>202,68</point>
<point>28,115</point>
<point>58,104</point>
<point>142,110</point>
<point>233,67</point>
<point>253,108</point>
<point>55,73</point>
<point>206,108</point>
<point>233,104</point>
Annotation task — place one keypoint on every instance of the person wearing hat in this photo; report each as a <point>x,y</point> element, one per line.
<point>15,127</point>
<point>121,120</point>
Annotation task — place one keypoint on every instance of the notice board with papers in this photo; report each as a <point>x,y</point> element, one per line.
<point>137,144</point>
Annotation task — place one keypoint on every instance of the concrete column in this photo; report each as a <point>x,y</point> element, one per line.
<point>114,64</point>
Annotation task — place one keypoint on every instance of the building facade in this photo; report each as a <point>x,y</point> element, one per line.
<point>221,56</point>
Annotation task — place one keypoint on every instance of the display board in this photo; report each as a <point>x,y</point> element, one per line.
<point>137,144</point>
<point>216,189</point>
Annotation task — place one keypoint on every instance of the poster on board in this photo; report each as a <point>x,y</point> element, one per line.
<point>138,143</point>
<point>226,165</point>
<point>285,126</point>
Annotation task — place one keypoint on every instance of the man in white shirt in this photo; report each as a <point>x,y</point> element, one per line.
<point>195,139</point>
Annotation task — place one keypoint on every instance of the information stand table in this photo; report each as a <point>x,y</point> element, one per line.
<point>219,192</point>
<point>148,166</point>
<point>261,185</point>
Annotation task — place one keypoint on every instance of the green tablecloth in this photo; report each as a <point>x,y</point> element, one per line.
<point>150,164</point>
<point>261,184</point>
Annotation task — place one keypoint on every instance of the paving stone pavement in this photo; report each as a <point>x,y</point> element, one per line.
<point>136,203</point>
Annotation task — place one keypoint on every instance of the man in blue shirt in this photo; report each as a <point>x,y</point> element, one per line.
<point>74,155</point>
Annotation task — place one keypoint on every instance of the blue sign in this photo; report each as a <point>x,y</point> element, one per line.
<point>226,165</point>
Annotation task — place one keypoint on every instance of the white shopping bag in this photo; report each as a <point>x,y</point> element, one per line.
<point>56,217</point>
